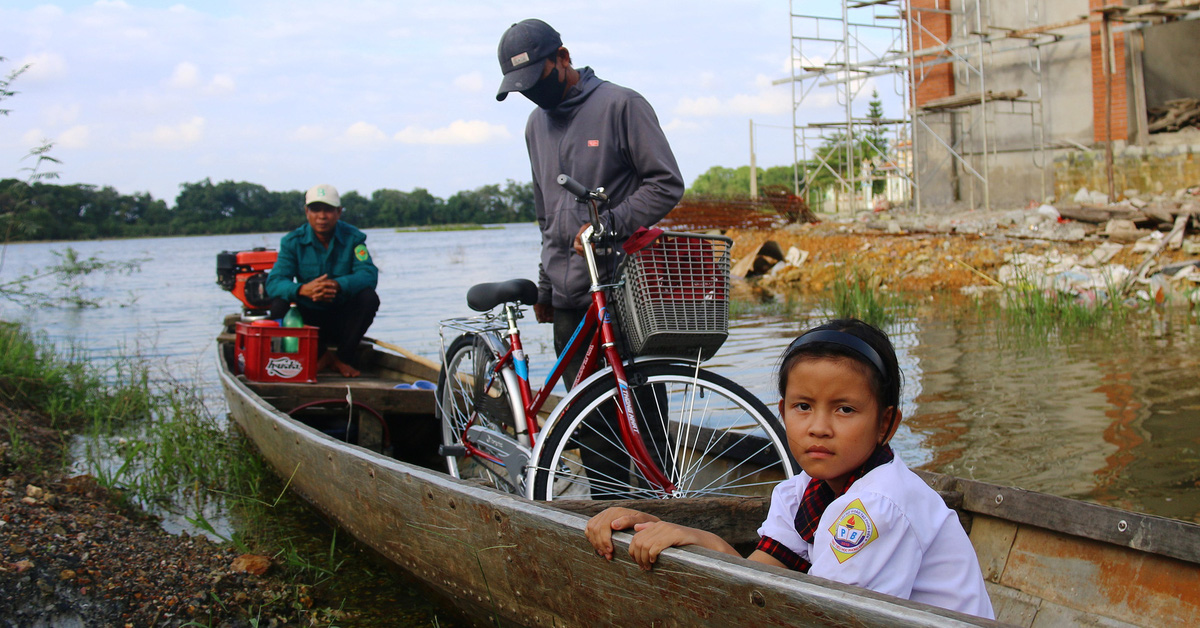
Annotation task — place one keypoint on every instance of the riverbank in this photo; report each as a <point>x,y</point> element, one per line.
<point>946,254</point>
<point>75,553</point>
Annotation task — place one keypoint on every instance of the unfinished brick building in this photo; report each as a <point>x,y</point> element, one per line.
<point>1010,102</point>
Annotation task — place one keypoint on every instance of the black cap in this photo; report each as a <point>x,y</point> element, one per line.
<point>522,49</point>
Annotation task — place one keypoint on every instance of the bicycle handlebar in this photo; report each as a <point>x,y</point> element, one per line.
<point>575,187</point>
<point>591,197</point>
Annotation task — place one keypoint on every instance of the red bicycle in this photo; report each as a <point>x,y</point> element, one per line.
<point>642,419</point>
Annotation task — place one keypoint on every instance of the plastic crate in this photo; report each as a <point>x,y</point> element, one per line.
<point>260,356</point>
<point>674,298</point>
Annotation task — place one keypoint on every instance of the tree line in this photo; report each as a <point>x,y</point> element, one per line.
<point>45,211</point>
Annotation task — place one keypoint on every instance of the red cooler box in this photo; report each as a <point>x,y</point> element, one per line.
<point>261,358</point>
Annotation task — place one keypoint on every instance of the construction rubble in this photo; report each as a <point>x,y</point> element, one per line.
<point>1137,249</point>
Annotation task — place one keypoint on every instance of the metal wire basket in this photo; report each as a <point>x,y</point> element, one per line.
<point>675,296</point>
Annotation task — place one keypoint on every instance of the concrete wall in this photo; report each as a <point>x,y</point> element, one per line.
<point>1151,171</point>
<point>1067,112</point>
<point>1172,51</point>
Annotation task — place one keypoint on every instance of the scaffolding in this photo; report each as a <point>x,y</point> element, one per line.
<point>836,53</point>
<point>832,58</point>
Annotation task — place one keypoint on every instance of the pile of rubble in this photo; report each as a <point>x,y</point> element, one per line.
<point>1090,248</point>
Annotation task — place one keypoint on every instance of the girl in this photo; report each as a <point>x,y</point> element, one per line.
<point>856,514</point>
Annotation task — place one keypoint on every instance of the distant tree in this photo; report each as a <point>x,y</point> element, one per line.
<point>876,148</point>
<point>735,182</point>
<point>21,213</point>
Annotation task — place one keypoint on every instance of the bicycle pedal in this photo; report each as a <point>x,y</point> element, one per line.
<point>456,451</point>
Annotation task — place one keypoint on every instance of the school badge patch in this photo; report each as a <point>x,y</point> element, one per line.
<point>852,531</point>
<point>360,252</point>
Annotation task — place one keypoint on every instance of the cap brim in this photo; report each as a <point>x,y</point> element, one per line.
<point>521,79</point>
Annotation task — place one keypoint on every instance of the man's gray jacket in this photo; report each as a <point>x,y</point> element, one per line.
<point>601,135</point>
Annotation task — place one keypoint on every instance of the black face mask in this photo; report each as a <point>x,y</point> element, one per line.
<point>548,92</point>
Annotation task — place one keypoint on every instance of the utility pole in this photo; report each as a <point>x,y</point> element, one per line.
<point>753,166</point>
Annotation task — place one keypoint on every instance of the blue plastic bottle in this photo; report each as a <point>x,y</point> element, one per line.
<point>291,344</point>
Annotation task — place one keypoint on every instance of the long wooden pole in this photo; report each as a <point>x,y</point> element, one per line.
<point>1106,48</point>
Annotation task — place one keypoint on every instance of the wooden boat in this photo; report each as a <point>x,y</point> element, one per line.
<point>1049,561</point>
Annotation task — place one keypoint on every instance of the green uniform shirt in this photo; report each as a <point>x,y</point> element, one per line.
<point>303,258</point>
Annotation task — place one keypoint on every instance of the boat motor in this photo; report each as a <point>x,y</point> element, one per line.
<point>244,273</point>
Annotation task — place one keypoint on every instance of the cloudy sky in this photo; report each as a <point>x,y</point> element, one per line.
<point>368,94</point>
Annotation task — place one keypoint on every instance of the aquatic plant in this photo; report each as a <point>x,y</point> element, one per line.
<point>860,294</point>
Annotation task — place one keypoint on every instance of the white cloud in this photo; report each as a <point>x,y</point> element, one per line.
<point>78,136</point>
<point>177,136</point>
<point>458,132</point>
<point>185,76</point>
<point>32,137</point>
<point>221,84</point>
<point>702,107</point>
<point>680,125</point>
<point>769,100</point>
<point>58,115</point>
<point>362,133</point>
<point>43,66</point>
<point>310,133</point>
<point>472,82</point>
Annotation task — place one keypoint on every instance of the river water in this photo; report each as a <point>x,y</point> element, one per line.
<point>1108,418</point>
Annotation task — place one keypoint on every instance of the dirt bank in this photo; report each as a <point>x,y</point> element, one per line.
<point>71,555</point>
<point>913,260</point>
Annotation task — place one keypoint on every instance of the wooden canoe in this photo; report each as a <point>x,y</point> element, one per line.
<point>1048,560</point>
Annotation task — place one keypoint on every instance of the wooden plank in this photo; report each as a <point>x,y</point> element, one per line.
<point>1098,578</point>
<point>966,100</point>
<point>1098,214</point>
<point>381,399</point>
<point>1137,40</point>
<point>1146,533</point>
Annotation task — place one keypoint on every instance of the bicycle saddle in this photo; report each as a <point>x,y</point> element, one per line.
<point>483,297</point>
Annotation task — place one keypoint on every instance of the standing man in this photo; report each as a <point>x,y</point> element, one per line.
<point>601,134</point>
<point>325,269</point>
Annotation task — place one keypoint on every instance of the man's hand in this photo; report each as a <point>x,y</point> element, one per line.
<point>579,239</point>
<point>320,290</point>
<point>543,312</point>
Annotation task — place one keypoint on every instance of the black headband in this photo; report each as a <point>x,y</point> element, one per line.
<point>849,341</point>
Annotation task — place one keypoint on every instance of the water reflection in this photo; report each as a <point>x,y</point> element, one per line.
<point>1104,417</point>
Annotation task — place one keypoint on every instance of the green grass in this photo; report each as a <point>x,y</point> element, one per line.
<point>147,437</point>
<point>859,294</point>
<point>1033,311</point>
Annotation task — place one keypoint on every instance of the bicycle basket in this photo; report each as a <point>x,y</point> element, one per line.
<point>675,296</point>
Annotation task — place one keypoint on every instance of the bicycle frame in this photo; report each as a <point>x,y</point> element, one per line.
<point>596,333</point>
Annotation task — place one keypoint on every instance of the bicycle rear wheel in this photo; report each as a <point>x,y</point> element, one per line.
<point>710,436</point>
<point>467,395</point>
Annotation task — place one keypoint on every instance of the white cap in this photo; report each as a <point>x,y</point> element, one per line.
<point>323,193</point>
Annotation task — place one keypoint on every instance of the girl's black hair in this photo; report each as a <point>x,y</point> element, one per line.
<point>885,384</point>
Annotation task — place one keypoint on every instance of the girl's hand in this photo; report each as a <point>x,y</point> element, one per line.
<point>600,528</point>
<point>652,538</point>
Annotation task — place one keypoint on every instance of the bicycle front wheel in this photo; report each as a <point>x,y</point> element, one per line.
<point>470,393</point>
<point>708,435</point>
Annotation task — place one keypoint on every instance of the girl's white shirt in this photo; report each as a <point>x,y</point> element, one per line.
<point>890,533</point>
